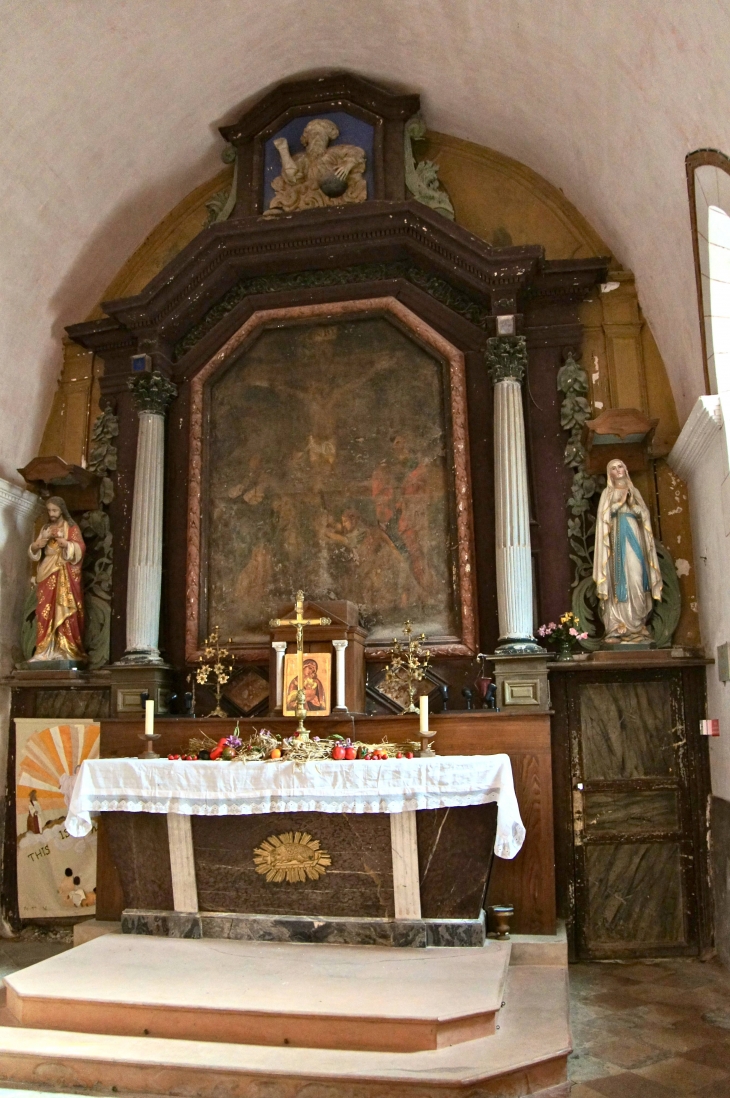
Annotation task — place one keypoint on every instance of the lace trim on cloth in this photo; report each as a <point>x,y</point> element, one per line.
<point>225,789</point>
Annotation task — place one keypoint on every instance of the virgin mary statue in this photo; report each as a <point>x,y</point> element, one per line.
<point>625,565</point>
<point>59,549</point>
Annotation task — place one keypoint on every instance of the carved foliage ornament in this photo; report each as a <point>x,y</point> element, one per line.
<point>97,533</point>
<point>506,358</point>
<point>152,392</point>
<point>442,291</point>
<point>422,178</point>
<point>574,411</point>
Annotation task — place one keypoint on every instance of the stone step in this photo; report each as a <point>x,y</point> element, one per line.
<point>266,993</point>
<point>527,1055</point>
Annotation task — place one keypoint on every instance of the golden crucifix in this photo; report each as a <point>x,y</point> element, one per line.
<point>299,621</point>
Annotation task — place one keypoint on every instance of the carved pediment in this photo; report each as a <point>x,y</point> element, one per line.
<point>359,114</point>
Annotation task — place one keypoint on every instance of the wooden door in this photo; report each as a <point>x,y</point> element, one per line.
<point>637,815</point>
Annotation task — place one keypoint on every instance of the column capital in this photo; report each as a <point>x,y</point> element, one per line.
<point>506,358</point>
<point>279,646</point>
<point>340,644</point>
<point>152,392</point>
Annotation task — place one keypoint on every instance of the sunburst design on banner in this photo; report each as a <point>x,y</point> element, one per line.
<point>293,857</point>
<point>49,761</point>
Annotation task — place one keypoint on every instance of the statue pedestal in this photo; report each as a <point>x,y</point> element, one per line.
<point>130,681</point>
<point>522,683</point>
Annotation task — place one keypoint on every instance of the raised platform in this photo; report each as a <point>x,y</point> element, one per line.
<point>224,1019</point>
<point>265,993</point>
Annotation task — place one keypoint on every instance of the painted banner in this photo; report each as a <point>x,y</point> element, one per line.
<point>56,872</point>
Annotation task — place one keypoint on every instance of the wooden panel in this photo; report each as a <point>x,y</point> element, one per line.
<point>626,730</point>
<point>528,880</point>
<point>637,810</point>
<point>635,896</point>
<point>638,858</point>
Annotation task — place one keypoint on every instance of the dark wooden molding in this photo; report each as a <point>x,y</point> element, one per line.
<point>454,281</point>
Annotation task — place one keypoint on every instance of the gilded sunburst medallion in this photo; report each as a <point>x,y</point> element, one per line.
<point>293,857</point>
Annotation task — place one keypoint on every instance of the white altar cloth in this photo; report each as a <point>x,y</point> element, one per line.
<point>241,789</point>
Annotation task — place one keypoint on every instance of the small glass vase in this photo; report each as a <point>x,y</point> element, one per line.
<point>564,650</point>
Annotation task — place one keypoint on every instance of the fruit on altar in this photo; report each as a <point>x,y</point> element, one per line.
<point>219,747</point>
<point>409,754</point>
<point>228,753</point>
<point>399,755</point>
<point>275,753</point>
<point>203,755</point>
<point>350,752</point>
<point>338,751</point>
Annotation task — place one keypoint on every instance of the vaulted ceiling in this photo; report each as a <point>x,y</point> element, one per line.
<point>110,112</point>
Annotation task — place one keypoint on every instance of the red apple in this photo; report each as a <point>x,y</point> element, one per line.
<point>338,751</point>
<point>350,752</point>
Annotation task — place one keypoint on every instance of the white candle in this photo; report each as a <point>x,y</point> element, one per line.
<point>424,712</point>
<point>149,718</point>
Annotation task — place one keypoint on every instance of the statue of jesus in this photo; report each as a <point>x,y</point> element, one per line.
<point>625,564</point>
<point>60,550</point>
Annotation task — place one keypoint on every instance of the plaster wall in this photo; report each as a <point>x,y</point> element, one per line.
<point>18,510</point>
<point>109,113</point>
<point>700,456</point>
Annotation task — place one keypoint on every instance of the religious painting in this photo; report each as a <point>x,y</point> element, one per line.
<point>56,872</point>
<point>333,458</point>
<point>317,684</point>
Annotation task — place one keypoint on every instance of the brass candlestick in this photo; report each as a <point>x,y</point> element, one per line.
<point>408,664</point>
<point>149,740</point>
<point>426,752</point>
<point>215,661</point>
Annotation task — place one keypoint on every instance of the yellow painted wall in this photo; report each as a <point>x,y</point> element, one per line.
<point>503,202</point>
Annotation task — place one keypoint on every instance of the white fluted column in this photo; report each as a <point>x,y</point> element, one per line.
<point>339,647</point>
<point>144,576</point>
<point>280,649</point>
<point>506,359</point>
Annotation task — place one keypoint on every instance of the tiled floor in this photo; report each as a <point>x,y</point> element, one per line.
<point>32,946</point>
<point>654,1029</point>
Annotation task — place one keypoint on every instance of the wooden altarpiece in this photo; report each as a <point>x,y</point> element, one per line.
<point>388,253</point>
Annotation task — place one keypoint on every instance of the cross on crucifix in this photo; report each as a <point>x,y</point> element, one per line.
<point>299,621</point>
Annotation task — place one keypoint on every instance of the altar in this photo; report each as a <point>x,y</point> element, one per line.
<point>395,852</point>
